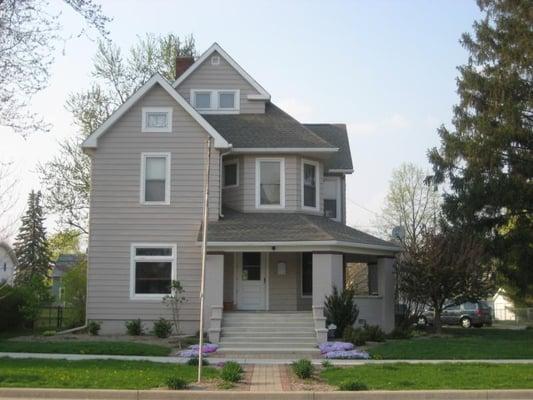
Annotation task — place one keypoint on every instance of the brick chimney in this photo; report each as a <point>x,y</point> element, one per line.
<point>182,63</point>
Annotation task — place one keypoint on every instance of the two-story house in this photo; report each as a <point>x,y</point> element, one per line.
<point>277,239</point>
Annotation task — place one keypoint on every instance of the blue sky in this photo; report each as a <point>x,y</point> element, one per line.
<point>385,68</point>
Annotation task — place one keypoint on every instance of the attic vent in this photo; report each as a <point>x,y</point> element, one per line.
<point>215,60</point>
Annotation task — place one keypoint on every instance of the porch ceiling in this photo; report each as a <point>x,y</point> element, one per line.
<point>291,231</point>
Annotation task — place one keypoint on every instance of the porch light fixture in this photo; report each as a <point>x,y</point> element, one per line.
<point>282,268</point>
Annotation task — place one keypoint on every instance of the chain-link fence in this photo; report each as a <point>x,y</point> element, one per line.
<point>512,315</point>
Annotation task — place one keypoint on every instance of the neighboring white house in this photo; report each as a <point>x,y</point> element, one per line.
<point>7,263</point>
<point>503,307</point>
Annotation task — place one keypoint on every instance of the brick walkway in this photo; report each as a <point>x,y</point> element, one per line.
<point>266,378</point>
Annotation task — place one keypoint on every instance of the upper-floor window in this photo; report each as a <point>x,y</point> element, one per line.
<point>157,119</point>
<point>332,197</point>
<point>153,267</point>
<point>270,183</point>
<point>231,173</point>
<point>310,184</point>
<point>155,178</point>
<point>210,101</point>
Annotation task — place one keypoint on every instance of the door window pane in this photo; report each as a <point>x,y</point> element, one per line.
<point>155,179</point>
<point>270,180</point>
<point>251,266</point>
<point>226,100</point>
<point>307,274</point>
<point>152,277</point>
<point>309,185</point>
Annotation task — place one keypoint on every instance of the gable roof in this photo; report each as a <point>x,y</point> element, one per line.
<point>263,94</point>
<point>92,140</point>
<point>275,129</point>
<point>337,135</point>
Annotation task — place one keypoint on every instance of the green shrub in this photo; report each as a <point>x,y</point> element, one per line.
<point>134,327</point>
<point>357,336</point>
<point>11,301</point>
<point>401,333</point>
<point>303,369</point>
<point>93,327</point>
<point>49,333</point>
<point>175,383</point>
<point>352,385</point>
<point>340,309</point>
<point>374,333</point>
<point>162,328</point>
<point>194,361</point>
<point>231,372</point>
<point>327,364</point>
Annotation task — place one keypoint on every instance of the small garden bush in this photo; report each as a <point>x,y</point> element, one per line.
<point>357,336</point>
<point>352,385</point>
<point>303,369</point>
<point>194,361</point>
<point>134,327</point>
<point>11,301</point>
<point>175,383</point>
<point>327,364</point>
<point>93,327</point>
<point>162,328</point>
<point>231,372</point>
<point>340,309</point>
<point>374,333</point>
<point>401,333</point>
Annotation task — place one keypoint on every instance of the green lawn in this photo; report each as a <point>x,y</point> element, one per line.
<point>100,374</point>
<point>87,347</point>
<point>435,376</point>
<point>461,344</point>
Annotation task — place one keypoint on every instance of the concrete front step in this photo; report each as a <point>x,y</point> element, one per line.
<point>274,345</point>
<point>256,349</point>
<point>268,324</point>
<point>287,338</point>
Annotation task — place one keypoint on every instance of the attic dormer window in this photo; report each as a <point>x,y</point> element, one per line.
<point>157,119</point>
<point>224,101</point>
<point>215,60</point>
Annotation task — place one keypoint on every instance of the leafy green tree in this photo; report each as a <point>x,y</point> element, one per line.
<point>64,242</point>
<point>75,284</point>
<point>487,159</point>
<point>35,294</point>
<point>31,246</point>
<point>66,178</point>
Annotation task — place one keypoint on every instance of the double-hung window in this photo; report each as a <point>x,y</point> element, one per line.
<point>155,178</point>
<point>157,119</point>
<point>310,185</point>
<point>270,183</point>
<point>332,197</point>
<point>153,268</point>
<point>231,173</point>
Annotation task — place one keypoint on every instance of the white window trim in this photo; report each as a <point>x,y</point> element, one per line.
<point>339,197</point>
<point>144,156</point>
<point>317,181</point>
<point>258,204</point>
<point>146,110</point>
<point>230,162</point>
<point>215,108</point>
<point>134,258</point>
<point>302,295</point>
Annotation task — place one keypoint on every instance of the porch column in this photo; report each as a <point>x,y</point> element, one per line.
<point>385,269</point>
<point>213,295</point>
<point>327,272</point>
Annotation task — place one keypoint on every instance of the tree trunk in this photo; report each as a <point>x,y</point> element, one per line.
<point>437,324</point>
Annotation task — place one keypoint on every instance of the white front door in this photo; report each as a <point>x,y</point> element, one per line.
<point>251,282</point>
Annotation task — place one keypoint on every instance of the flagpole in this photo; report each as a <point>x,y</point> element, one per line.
<point>204,251</point>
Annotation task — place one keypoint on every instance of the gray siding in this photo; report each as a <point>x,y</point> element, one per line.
<point>233,197</point>
<point>222,76</point>
<point>118,219</point>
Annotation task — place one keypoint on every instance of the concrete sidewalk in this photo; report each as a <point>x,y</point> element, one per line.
<point>81,394</point>
<point>247,360</point>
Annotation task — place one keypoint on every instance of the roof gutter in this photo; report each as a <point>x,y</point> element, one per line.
<point>285,149</point>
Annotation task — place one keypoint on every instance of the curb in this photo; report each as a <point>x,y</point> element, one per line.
<point>89,394</point>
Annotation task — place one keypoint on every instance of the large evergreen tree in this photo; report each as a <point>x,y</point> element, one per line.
<point>31,247</point>
<point>487,158</point>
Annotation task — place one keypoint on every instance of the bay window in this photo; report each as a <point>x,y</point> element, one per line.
<point>270,183</point>
<point>310,185</point>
